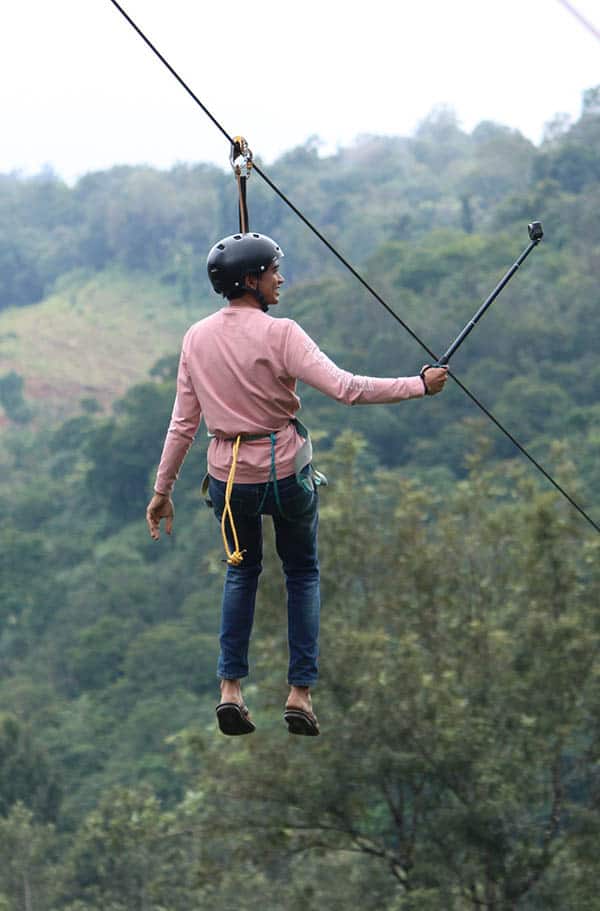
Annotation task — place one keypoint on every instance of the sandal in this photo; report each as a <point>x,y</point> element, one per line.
<point>234,719</point>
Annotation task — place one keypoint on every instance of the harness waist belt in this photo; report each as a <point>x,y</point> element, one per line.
<point>302,459</point>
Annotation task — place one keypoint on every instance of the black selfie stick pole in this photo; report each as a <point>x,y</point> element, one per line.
<point>535,235</point>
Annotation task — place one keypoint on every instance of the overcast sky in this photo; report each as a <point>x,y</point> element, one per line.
<point>80,91</point>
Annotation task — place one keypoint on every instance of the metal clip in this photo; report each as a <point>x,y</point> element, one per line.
<point>240,157</point>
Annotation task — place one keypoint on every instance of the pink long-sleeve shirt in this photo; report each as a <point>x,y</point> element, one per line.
<point>238,371</point>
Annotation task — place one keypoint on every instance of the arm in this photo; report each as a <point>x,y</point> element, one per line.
<point>305,361</point>
<point>185,419</point>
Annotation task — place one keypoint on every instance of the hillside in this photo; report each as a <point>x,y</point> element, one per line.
<point>93,338</point>
<point>460,678</point>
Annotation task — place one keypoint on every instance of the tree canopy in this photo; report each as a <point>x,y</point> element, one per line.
<point>459,696</point>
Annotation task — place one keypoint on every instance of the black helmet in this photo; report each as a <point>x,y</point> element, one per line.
<point>232,258</point>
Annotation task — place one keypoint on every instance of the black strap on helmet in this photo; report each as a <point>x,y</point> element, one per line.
<point>256,293</point>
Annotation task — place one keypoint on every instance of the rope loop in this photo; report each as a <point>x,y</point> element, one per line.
<point>235,557</point>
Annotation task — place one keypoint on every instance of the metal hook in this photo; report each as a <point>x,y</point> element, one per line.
<point>240,157</point>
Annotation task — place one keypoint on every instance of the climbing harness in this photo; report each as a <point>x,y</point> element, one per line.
<point>360,278</point>
<point>307,476</point>
<point>235,558</point>
<point>272,480</point>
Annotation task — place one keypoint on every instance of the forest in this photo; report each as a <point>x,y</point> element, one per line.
<point>459,697</point>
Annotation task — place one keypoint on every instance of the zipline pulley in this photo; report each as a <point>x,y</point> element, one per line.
<point>240,158</point>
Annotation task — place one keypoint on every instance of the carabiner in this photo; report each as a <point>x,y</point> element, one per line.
<point>240,157</point>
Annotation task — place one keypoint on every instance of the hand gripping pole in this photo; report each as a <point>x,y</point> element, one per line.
<point>535,235</point>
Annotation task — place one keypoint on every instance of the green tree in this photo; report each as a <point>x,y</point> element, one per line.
<point>20,281</point>
<point>27,774</point>
<point>123,449</point>
<point>460,648</point>
<point>21,555</point>
<point>130,856</point>
<point>12,398</point>
<point>27,873</point>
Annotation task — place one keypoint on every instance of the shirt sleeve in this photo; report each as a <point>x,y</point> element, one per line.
<point>305,361</point>
<point>185,420</point>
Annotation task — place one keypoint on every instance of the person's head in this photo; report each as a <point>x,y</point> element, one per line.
<point>246,264</point>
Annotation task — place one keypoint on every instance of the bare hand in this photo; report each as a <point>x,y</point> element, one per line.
<point>159,507</point>
<point>434,378</point>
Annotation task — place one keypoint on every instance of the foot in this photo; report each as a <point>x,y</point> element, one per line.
<point>231,691</point>
<point>299,698</point>
<point>298,714</point>
<point>233,716</point>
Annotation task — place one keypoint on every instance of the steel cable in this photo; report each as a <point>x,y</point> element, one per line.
<point>580,18</point>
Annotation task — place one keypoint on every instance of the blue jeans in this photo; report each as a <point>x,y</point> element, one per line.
<point>296,543</point>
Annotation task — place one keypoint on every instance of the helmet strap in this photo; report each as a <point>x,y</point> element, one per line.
<point>256,294</point>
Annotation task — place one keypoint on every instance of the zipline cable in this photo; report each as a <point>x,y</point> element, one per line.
<point>359,277</point>
<point>580,18</point>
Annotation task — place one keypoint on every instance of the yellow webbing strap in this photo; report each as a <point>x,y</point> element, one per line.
<point>235,558</point>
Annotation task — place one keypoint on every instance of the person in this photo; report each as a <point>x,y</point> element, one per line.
<point>238,370</point>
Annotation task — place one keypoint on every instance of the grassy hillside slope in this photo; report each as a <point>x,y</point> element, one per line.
<point>94,337</point>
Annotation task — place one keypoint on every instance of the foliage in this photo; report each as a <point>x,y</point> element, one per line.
<point>146,220</point>
<point>115,860</point>
<point>26,774</point>
<point>460,694</point>
<point>11,397</point>
<point>460,654</point>
<point>27,852</point>
<point>434,220</point>
<point>459,701</point>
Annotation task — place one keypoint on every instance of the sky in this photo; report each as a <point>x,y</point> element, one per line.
<point>80,91</point>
